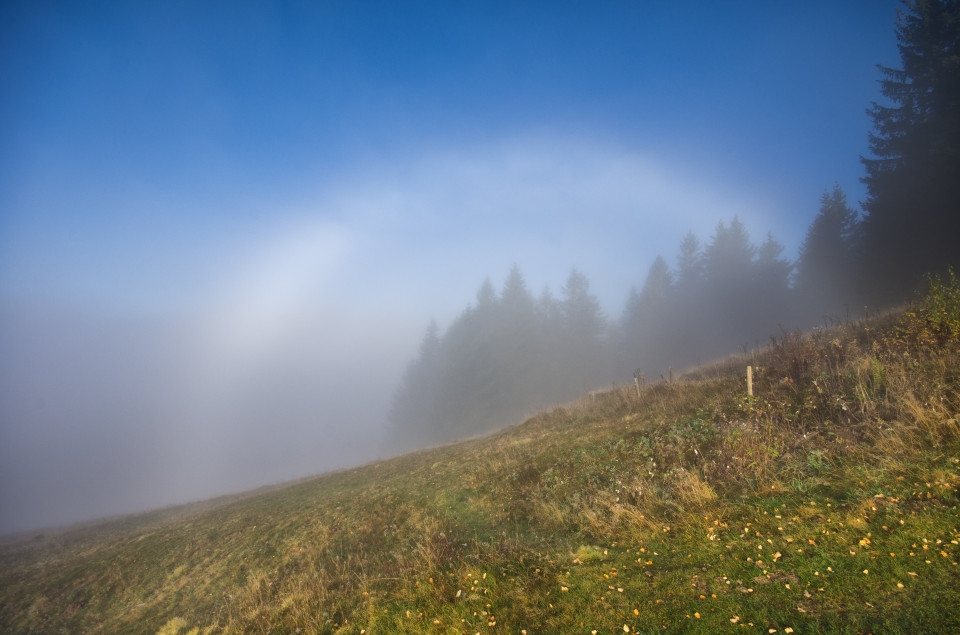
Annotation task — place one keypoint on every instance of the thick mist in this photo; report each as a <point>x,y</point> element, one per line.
<point>103,416</point>
<point>280,354</point>
<point>511,353</point>
<point>225,228</point>
<point>274,348</point>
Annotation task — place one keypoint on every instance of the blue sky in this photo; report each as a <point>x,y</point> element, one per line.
<point>227,183</point>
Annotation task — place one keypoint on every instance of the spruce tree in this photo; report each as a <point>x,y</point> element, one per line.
<point>582,336</point>
<point>627,336</point>
<point>517,352</point>
<point>656,318</point>
<point>913,178</point>
<point>729,257</point>
<point>647,328</point>
<point>771,288</point>
<point>826,273</point>
<point>413,415</point>
<point>690,265</point>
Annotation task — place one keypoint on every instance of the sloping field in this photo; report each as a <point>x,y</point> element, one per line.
<point>826,502</point>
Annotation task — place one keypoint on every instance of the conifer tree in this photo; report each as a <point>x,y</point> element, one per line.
<point>827,266</point>
<point>517,351</point>
<point>468,374</point>
<point>657,287</point>
<point>689,265</point>
<point>655,317</point>
<point>627,347</point>
<point>913,205</point>
<point>580,310</point>
<point>646,330</point>
<point>486,295</point>
<point>728,257</point>
<point>548,312</point>
<point>413,416</point>
<point>727,293</point>
<point>582,335</point>
<point>771,288</point>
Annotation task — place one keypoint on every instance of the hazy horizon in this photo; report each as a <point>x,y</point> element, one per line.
<point>225,227</point>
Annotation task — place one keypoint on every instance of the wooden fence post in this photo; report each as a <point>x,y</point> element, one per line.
<point>750,380</point>
<point>637,380</point>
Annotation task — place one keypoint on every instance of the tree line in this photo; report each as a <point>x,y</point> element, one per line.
<point>506,355</point>
<point>509,353</point>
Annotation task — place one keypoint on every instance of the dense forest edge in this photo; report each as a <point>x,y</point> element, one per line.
<point>511,354</point>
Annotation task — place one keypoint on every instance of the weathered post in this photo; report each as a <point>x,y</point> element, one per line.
<point>638,379</point>
<point>750,380</point>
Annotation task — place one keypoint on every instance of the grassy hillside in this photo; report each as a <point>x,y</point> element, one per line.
<point>827,502</point>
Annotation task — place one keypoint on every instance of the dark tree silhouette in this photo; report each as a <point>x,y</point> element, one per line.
<point>827,268</point>
<point>913,177</point>
<point>772,299</point>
